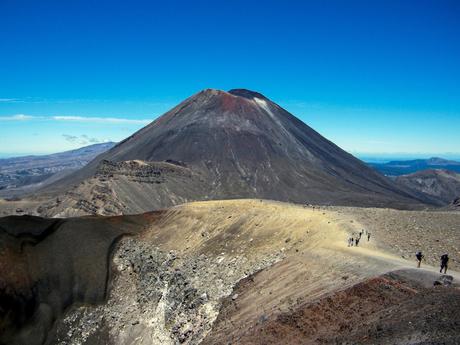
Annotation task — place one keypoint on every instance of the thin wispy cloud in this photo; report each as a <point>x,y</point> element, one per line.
<point>19,117</point>
<point>9,100</point>
<point>22,100</point>
<point>83,139</point>
<point>115,120</point>
<point>81,119</point>
<point>70,138</point>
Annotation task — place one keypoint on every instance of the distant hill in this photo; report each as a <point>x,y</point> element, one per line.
<point>397,168</point>
<point>19,175</point>
<point>442,184</point>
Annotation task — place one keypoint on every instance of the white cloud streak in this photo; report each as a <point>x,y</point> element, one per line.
<point>19,117</point>
<point>114,120</point>
<point>9,100</point>
<point>82,119</point>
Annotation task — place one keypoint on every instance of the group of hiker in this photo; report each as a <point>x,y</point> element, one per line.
<point>354,239</point>
<point>444,261</point>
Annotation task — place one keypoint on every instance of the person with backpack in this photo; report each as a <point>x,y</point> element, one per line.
<point>444,261</point>
<point>419,256</point>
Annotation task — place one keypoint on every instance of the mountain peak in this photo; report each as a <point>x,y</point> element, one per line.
<point>211,91</point>
<point>241,101</point>
<point>246,93</point>
<point>238,144</point>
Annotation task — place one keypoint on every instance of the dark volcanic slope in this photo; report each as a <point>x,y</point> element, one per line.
<point>48,265</point>
<point>239,144</point>
<point>442,184</point>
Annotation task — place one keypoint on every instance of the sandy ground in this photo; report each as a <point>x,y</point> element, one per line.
<point>312,241</point>
<point>256,262</point>
<point>19,207</point>
<point>403,233</point>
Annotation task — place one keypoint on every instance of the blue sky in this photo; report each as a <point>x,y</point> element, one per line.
<point>372,76</point>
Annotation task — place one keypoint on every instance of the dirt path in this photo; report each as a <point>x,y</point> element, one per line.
<point>317,267</point>
<point>217,270</point>
<point>403,233</point>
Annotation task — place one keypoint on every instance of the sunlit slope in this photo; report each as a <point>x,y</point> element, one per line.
<point>214,271</point>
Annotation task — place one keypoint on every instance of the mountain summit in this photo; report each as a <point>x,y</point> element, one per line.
<point>236,144</point>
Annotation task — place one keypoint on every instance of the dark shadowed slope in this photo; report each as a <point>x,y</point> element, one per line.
<point>20,175</point>
<point>221,145</point>
<point>48,265</point>
<point>441,184</point>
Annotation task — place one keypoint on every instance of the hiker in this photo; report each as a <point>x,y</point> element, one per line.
<point>419,257</point>
<point>360,233</point>
<point>444,261</point>
<point>351,241</point>
<point>356,241</point>
<point>368,236</point>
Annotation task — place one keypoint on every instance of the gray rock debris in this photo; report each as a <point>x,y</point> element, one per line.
<point>160,297</point>
<point>444,280</point>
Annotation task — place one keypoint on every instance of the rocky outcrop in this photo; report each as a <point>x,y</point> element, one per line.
<point>128,187</point>
<point>159,297</point>
<point>141,171</point>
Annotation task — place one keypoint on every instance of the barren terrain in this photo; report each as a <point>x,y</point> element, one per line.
<point>403,233</point>
<point>261,272</point>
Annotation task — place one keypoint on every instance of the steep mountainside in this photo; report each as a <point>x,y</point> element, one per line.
<point>19,175</point>
<point>442,184</point>
<point>235,144</point>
